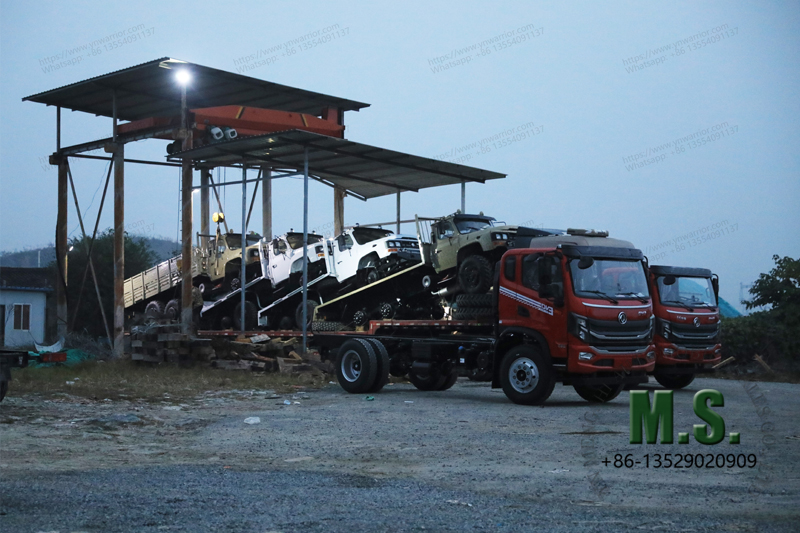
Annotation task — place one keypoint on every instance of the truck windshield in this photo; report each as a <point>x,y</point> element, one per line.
<point>687,291</point>
<point>365,235</point>
<point>295,240</point>
<point>234,240</point>
<point>468,225</point>
<point>610,279</point>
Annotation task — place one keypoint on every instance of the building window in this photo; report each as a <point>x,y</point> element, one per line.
<point>22,316</point>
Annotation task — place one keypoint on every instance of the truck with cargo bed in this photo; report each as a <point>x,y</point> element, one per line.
<point>568,308</point>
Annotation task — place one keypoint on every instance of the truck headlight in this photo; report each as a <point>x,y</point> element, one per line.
<point>651,355</point>
<point>578,326</point>
<point>585,356</point>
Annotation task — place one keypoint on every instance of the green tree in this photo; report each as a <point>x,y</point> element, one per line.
<point>138,257</point>
<point>780,289</point>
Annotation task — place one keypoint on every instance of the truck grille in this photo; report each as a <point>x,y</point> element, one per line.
<point>691,335</point>
<point>610,333</point>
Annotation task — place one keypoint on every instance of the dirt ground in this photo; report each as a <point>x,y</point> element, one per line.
<point>401,460</point>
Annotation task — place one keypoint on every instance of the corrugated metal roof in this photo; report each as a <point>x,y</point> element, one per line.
<point>26,279</point>
<point>150,90</point>
<point>365,170</point>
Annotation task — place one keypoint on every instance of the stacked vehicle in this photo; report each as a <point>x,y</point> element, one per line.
<point>687,335</point>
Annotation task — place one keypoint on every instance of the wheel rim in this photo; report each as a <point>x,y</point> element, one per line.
<point>523,375</point>
<point>351,365</point>
<point>471,276</point>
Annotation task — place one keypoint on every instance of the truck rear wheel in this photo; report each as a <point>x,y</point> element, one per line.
<point>675,381</point>
<point>250,315</point>
<point>382,375</point>
<point>153,312</point>
<point>526,375</point>
<point>173,310</point>
<point>298,313</point>
<point>449,380</point>
<point>356,366</point>
<point>475,275</point>
<point>599,393</point>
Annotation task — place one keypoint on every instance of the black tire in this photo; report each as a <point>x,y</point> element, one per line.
<point>475,275</point>
<point>599,393</point>
<point>172,311</point>
<point>356,366</point>
<point>225,322</point>
<point>382,375</point>
<point>372,276</point>
<point>437,312</point>
<point>153,312</point>
<point>449,380</point>
<point>467,301</point>
<point>285,323</point>
<point>674,381</point>
<point>250,316</point>
<point>432,381</point>
<point>476,313</point>
<point>526,375</point>
<point>298,313</point>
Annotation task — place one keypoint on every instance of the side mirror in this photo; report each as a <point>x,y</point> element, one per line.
<point>585,262</point>
<point>715,284</point>
<point>669,280</point>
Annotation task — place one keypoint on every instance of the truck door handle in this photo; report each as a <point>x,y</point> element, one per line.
<point>521,311</point>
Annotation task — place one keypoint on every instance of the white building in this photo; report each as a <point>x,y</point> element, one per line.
<point>24,294</point>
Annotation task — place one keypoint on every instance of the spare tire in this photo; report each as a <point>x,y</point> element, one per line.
<point>464,301</point>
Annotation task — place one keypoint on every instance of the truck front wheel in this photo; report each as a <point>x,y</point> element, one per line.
<point>599,393</point>
<point>678,381</point>
<point>475,274</point>
<point>526,375</point>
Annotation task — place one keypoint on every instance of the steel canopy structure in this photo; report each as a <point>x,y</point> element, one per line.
<point>364,171</point>
<point>149,90</point>
<point>169,87</point>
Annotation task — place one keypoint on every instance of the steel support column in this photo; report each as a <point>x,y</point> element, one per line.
<point>243,266</point>
<point>266,202</point>
<point>463,196</point>
<point>338,210</point>
<point>119,248</point>
<point>205,198</point>
<point>398,213</point>
<point>305,249</point>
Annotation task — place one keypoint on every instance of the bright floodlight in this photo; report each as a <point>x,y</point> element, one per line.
<point>183,77</point>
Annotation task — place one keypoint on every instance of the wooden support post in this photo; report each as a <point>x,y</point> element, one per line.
<point>186,221</point>
<point>338,210</point>
<point>61,247</point>
<point>119,249</point>
<point>205,199</point>
<point>266,202</point>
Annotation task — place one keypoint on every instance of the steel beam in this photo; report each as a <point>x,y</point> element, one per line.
<point>398,213</point>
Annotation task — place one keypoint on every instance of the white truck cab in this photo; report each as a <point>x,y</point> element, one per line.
<point>371,253</point>
<point>283,256</point>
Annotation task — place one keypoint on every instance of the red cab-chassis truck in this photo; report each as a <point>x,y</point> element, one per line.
<point>687,335</point>
<point>571,308</point>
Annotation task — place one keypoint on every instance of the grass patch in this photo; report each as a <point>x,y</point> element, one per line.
<point>126,379</point>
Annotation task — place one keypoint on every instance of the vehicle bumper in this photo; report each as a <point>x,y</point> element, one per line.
<point>676,359</point>
<point>603,360</point>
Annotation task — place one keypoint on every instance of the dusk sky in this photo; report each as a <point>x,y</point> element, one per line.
<point>670,124</point>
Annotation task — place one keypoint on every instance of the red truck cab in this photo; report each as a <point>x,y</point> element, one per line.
<point>687,336</point>
<point>579,301</point>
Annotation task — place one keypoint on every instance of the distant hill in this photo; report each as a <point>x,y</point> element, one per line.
<point>163,248</point>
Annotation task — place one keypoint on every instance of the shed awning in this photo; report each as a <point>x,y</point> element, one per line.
<point>150,90</point>
<point>367,171</point>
